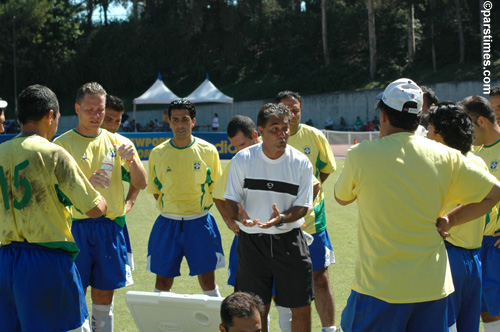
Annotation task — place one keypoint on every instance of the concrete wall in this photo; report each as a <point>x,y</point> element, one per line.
<point>318,108</point>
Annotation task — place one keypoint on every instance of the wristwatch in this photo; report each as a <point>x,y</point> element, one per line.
<point>282,221</point>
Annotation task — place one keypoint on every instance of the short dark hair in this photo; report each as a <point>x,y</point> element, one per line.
<point>452,122</point>
<point>34,103</point>
<point>288,94</point>
<point>495,91</point>
<point>402,120</point>
<point>182,104</point>
<point>240,123</point>
<point>270,110</point>
<point>240,305</point>
<point>430,95</point>
<point>92,89</point>
<point>115,103</point>
<point>478,106</point>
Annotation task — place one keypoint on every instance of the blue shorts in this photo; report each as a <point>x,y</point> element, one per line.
<point>490,259</point>
<point>102,261</point>
<point>321,251</point>
<point>40,289</point>
<point>130,256</point>
<point>197,239</point>
<point>464,303</point>
<point>364,313</point>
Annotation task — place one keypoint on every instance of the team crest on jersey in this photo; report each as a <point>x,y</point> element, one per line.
<point>84,158</point>
<point>307,150</point>
<point>197,166</point>
<point>113,153</point>
<point>494,165</point>
<point>169,169</point>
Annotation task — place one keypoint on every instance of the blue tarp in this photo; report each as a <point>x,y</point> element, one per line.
<point>146,141</point>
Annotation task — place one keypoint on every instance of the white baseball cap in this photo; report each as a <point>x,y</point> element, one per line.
<point>3,103</point>
<point>401,91</point>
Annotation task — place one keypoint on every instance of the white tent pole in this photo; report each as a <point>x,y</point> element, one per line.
<point>135,121</point>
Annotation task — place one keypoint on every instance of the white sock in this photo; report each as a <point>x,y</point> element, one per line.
<point>328,329</point>
<point>453,328</point>
<point>102,318</point>
<point>159,290</point>
<point>492,326</point>
<point>284,318</point>
<point>214,292</point>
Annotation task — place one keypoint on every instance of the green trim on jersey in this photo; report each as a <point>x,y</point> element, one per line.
<point>100,132</point>
<point>492,145</point>
<point>171,141</point>
<point>70,247</point>
<point>319,165</point>
<point>320,217</point>
<point>125,175</point>
<point>208,180</point>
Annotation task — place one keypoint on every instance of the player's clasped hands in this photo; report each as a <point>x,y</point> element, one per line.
<point>245,219</point>
<point>273,220</point>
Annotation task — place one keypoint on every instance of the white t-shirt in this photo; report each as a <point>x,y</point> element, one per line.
<point>215,122</point>
<point>257,182</point>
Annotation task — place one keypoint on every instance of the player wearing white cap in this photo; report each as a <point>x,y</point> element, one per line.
<point>402,274</point>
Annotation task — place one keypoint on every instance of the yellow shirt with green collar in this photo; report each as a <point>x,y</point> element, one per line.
<point>491,156</point>
<point>315,146</point>
<point>89,152</point>
<point>401,184</point>
<point>468,235</point>
<point>39,182</point>
<point>184,178</point>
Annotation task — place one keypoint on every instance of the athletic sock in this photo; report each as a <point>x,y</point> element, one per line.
<point>328,329</point>
<point>284,318</point>
<point>492,326</point>
<point>214,292</point>
<point>102,318</point>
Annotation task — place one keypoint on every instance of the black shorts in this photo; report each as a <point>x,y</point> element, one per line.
<point>282,259</point>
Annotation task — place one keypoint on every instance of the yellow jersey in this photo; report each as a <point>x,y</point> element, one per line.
<point>184,178</point>
<point>39,182</point>
<point>401,184</point>
<point>89,152</point>
<point>491,156</point>
<point>315,146</point>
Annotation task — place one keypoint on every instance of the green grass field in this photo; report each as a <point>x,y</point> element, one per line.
<point>342,227</point>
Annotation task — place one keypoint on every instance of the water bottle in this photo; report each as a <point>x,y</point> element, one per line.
<point>107,164</point>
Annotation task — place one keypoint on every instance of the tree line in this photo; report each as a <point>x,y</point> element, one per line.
<point>250,48</point>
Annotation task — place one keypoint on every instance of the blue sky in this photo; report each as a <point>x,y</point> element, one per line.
<point>116,12</point>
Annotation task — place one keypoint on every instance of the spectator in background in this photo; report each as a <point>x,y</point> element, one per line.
<point>329,124</point>
<point>495,101</point>
<point>369,126</point>
<point>215,122</point>
<point>241,312</point>
<point>342,123</point>
<point>358,124</point>
<point>310,123</point>
<point>3,104</point>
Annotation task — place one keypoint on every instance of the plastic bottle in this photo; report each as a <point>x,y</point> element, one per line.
<point>107,164</point>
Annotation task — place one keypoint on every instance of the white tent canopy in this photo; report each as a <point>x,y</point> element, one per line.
<point>158,93</point>
<point>207,92</point>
